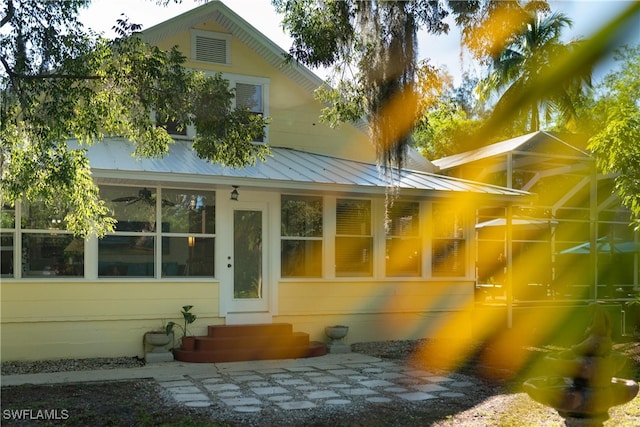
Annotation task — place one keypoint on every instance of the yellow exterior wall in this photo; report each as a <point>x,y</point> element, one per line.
<point>294,113</point>
<point>377,311</point>
<point>96,319</point>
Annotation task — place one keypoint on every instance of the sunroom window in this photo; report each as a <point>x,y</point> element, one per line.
<point>403,243</point>
<point>7,240</point>
<point>354,241</point>
<point>47,248</point>
<point>130,250</point>
<point>188,233</point>
<point>301,241</point>
<point>181,236</point>
<point>448,253</point>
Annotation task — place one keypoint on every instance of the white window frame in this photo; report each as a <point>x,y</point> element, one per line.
<point>264,83</point>
<point>321,238</point>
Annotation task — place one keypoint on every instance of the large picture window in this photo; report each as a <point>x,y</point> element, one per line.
<point>182,238</point>
<point>448,253</point>
<point>130,250</point>
<point>354,241</point>
<point>301,236</point>
<point>403,243</point>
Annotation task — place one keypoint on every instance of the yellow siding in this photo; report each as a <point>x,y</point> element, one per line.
<point>382,326</point>
<point>376,311</point>
<point>96,319</point>
<point>372,297</point>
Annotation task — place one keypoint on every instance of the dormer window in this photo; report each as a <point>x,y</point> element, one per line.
<point>250,96</point>
<point>253,93</point>
<point>207,46</point>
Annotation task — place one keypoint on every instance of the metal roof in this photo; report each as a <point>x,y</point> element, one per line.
<point>538,143</point>
<point>285,167</point>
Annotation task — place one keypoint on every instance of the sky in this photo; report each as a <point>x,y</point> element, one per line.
<point>587,16</point>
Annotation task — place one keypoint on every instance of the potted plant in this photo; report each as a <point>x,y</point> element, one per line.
<point>158,339</point>
<point>188,342</point>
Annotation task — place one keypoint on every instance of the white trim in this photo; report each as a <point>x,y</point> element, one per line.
<point>268,203</point>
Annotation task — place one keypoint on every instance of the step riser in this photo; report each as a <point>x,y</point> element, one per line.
<point>314,350</point>
<point>210,344</point>
<point>234,331</point>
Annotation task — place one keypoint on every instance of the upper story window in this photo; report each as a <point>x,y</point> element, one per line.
<point>208,46</point>
<point>173,127</point>
<point>301,236</point>
<point>449,252</point>
<point>250,96</point>
<point>354,239</point>
<point>403,243</point>
<point>252,93</point>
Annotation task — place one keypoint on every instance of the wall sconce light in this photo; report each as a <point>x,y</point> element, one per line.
<point>191,241</point>
<point>234,193</point>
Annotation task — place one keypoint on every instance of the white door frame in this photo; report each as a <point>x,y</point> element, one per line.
<point>243,311</point>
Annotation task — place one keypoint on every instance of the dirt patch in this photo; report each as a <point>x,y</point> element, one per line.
<point>495,400</point>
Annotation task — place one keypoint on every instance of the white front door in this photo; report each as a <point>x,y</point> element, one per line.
<point>247,288</point>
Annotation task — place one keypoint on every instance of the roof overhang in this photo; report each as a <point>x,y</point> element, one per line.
<point>111,159</point>
<point>535,151</point>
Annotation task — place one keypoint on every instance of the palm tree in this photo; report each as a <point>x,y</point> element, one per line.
<point>529,55</point>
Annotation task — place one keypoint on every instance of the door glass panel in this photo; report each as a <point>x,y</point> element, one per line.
<point>247,254</point>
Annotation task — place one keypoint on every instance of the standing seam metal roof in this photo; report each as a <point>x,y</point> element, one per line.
<point>284,165</point>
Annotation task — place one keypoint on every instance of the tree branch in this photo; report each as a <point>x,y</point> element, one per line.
<point>10,13</point>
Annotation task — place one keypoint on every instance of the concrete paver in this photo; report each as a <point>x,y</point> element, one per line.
<point>334,379</point>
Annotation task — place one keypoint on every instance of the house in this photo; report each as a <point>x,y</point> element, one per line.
<point>302,238</point>
<point>578,231</point>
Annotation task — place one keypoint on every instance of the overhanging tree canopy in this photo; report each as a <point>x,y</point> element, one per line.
<point>59,81</point>
<point>371,47</point>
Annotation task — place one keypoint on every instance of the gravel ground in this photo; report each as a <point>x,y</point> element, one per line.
<point>492,402</point>
<point>67,365</point>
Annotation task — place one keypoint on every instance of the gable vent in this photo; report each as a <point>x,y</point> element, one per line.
<point>210,49</point>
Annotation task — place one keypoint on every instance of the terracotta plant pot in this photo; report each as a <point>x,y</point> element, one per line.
<point>188,343</point>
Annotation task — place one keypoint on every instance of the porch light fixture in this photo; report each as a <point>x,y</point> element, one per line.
<point>191,241</point>
<point>234,193</point>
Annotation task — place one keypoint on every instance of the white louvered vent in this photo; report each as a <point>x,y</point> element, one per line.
<point>210,47</point>
<point>211,50</point>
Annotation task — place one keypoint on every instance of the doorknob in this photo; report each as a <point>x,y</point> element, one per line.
<point>228,265</point>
